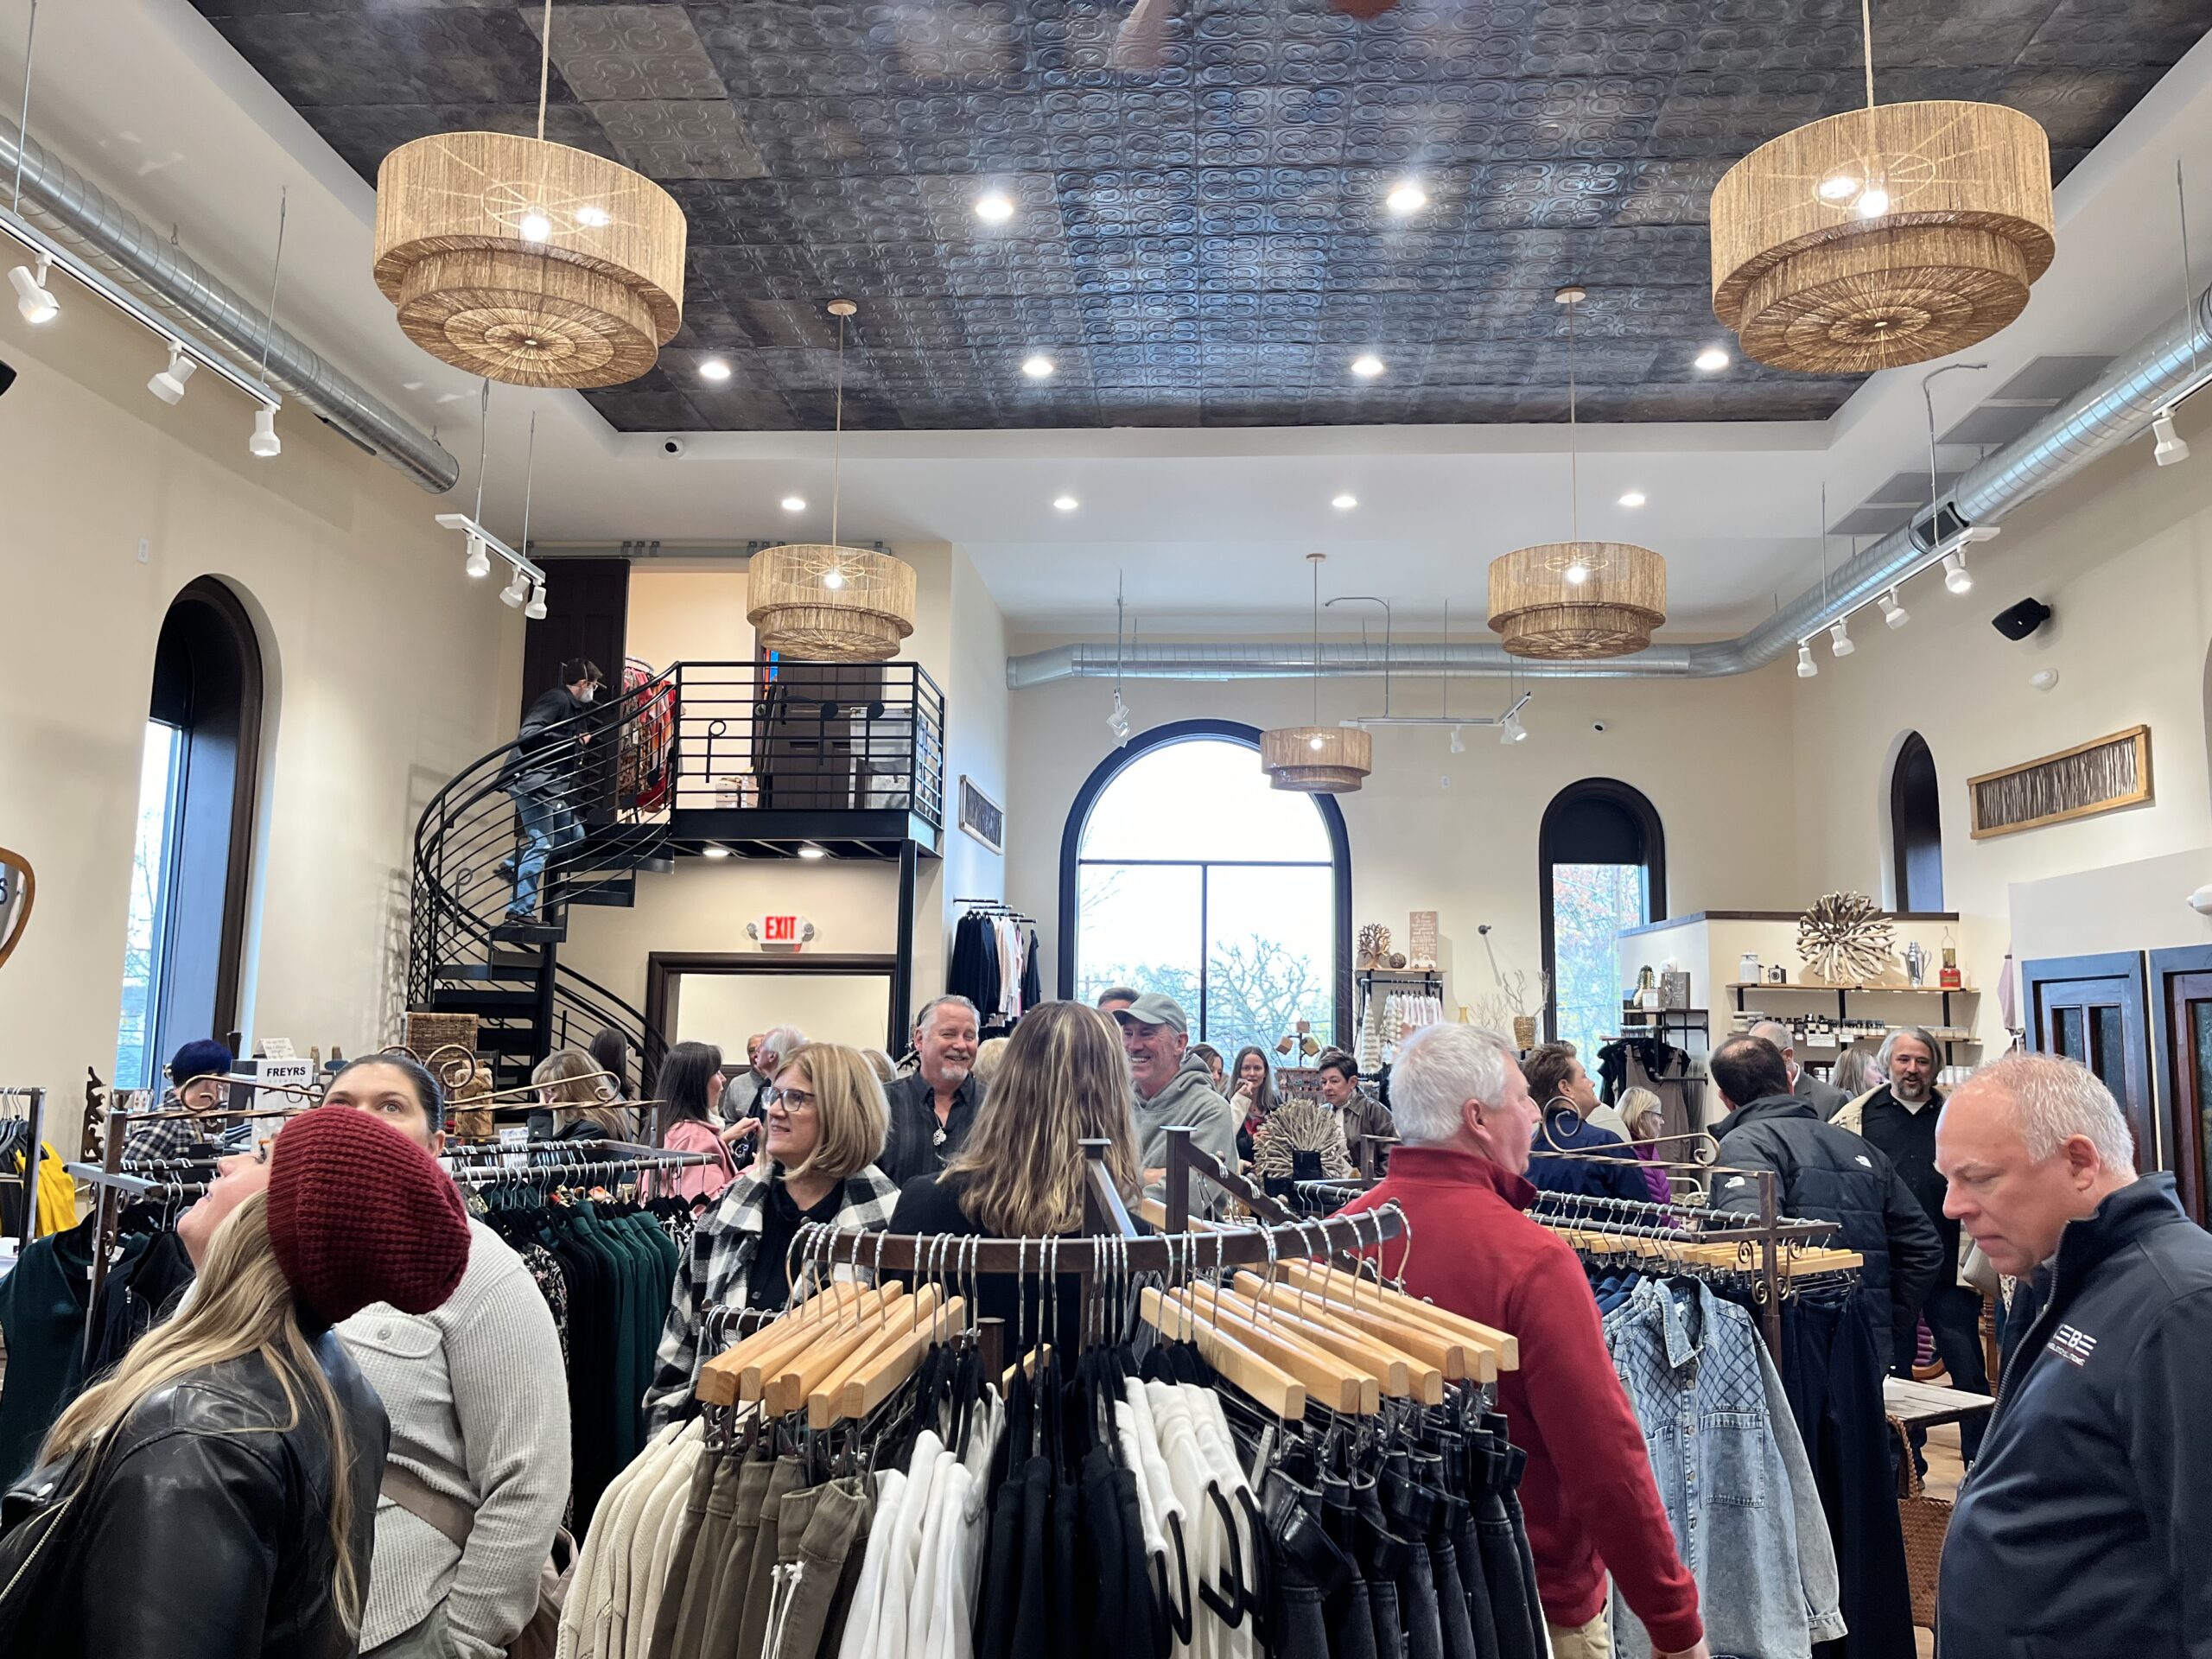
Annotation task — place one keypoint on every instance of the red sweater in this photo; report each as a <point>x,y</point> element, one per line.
<point>1591,1503</point>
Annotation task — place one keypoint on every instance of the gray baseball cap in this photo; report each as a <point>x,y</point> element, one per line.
<point>1156,1008</point>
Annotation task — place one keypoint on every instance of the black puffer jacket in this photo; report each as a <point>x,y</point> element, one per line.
<point>203,1532</point>
<point>1826,1173</point>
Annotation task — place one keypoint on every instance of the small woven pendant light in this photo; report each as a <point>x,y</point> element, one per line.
<point>1317,759</point>
<point>1882,235</point>
<point>1575,600</point>
<point>821,603</point>
<point>527,261</point>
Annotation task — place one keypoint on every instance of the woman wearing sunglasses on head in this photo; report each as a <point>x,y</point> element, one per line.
<point>821,1138</point>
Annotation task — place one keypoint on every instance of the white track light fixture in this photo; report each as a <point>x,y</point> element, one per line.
<point>1807,668</point>
<point>169,384</point>
<point>2171,448</point>
<point>1839,638</point>
<point>1956,577</point>
<point>33,298</point>
<point>535,609</point>
<point>1511,730</point>
<point>1117,720</point>
<point>516,594</point>
<point>1894,614</point>
<point>265,443</point>
<point>480,558</point>
<point>1458,743</point>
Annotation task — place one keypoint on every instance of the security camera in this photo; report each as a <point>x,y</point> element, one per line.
<point>1598,726</point>
<point>671,445</point>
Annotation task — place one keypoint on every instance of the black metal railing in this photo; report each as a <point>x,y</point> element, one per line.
<point>810,737</point>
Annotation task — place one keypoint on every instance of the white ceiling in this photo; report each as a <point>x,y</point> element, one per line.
<point>1207,528</point>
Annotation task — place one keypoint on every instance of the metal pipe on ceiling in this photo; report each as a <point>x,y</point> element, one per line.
<point>2169,364</point>
<point>118,242</point>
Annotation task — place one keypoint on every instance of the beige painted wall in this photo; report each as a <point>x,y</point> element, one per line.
<point>725,1009</point>
<point>2123,555</point>
<point>677,614</point>
<point>387,672</point>
<point>1468,848</point>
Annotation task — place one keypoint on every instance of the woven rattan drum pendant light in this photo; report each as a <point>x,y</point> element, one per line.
<point>1577,599</point>
<point>822,603</point>
<point>1884,236</point>
<point>1317,759</point>
<point>527,261</point>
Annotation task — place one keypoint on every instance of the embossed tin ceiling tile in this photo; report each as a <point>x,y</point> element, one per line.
<point>698,139</point>
<point>630,53</point>
<point>1734,114</point>
<point>651,411</point>
<point>412,57</point>
<point>364,134</point>
<point>769,49</point>
<point>2075,107</point>
<point>2080,33</point>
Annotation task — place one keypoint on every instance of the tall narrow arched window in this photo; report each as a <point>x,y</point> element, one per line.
<point>193,853</point>
<point>1916,827</point>
<point>1601,867</point>
<point>1182,871</point>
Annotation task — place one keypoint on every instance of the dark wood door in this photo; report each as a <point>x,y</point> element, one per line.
<point>2181,1008</point>
<point>588,616</point>
<point>2092,1009</point>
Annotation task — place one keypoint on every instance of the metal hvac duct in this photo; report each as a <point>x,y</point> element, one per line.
<point>2170,364</point>
<point>59,198</point>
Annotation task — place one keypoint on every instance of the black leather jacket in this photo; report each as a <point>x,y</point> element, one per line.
<point>204,1531</point>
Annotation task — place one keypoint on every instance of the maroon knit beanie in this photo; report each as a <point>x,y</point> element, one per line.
<point>357,1213</point>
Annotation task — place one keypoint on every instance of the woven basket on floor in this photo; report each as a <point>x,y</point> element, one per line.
<point>1925,1520</point>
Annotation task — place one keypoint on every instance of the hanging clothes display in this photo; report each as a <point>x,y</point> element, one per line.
<point>43,1306</point>
<point>1732,1471</point>
<point>1386,1021</point>
<point>994,963</point>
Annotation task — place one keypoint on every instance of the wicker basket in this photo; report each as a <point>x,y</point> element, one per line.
<point>427,1033</point>
<point>1926,1521</point>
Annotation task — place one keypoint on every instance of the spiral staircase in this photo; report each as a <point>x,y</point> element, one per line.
<point>745,760</point>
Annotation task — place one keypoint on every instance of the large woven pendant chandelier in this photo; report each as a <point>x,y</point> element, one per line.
<point>1882,235</point>
<point>1317,759</point>
<point>528,262</point>
<point>1576,598</point>
<point>819,602</point>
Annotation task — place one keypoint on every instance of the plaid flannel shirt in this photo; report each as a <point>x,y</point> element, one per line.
<point>720,1270</point>
<point>169,1137</point>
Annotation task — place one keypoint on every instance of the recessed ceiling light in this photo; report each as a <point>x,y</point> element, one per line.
<point>1633,499</point>
<point>811,851</point>
<point>594,218</point>
<point>1038,367</point>
<point>994,207</point>
<point>1368,366</point>
<point>1405,197</point>
<point>1344,503</point>
<point>794,503</point>
<point>713,369</point>
<point>1712,358</point>
<point>717,852</point>
<point>1066,503</point>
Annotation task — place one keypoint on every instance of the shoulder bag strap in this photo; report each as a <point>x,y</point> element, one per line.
<point>449,1515</point>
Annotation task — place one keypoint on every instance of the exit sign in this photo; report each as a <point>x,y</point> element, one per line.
<point>773,932</point>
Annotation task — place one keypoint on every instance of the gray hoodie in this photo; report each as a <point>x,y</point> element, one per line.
<point>1188,1098</point>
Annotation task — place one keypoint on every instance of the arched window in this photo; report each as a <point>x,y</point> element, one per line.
<point>1601,867</point>
<point>1916,827</point>
<point>190,868</point>
<point>1182,870</point>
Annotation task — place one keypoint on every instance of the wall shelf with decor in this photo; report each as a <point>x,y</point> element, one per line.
<point>1948,1033</point>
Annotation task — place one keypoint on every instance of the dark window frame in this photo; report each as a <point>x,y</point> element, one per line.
<point>1627,798</point>
<point>1916,826</point>
<point>1187,731</point>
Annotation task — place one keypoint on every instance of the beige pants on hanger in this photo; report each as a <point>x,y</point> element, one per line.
<point>1591,1641</point>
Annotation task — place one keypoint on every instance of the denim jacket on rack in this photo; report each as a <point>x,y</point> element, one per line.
<point>1731,1471</point>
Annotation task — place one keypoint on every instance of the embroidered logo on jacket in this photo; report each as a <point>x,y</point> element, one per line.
<point>1864,1159</point>
<point>2072,1346</point>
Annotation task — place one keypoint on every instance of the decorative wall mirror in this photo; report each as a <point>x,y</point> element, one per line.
<point>17,888</point>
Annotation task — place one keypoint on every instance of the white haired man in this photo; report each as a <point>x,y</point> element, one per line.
<point>2083,1526</point>
<point>933,1105</point>
<point>764,1056</point>
<point>1466,1122</point>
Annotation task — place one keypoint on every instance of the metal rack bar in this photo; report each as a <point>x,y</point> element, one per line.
<point>32,1158</point>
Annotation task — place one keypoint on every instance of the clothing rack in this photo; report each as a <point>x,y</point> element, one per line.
<point>481,1166</point>
<point>1766,1250</point>
<point>29,1179</point>
<point>996,907</point>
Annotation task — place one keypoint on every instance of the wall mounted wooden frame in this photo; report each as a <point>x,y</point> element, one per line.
<point>2102,775</point>
<point>18,892</point>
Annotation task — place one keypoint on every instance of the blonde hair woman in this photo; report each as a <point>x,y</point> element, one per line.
<point>823,1131</point>
<point>230,1464</point>
<point>570,1082</point>
<point>987,1059</point>
<point>1022,1172</point>
<point>1646,1117</point>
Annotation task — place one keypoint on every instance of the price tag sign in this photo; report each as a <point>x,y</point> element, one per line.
<point>277,1048</point>
<point>515,1137</point>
